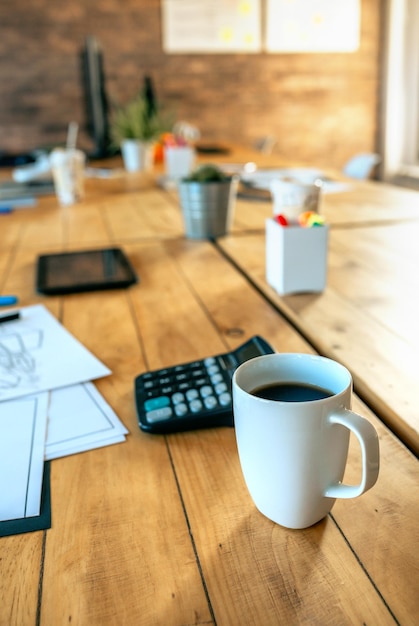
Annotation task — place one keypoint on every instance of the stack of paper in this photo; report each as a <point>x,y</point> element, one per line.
<point>48,407</point>
<point>262,178</point>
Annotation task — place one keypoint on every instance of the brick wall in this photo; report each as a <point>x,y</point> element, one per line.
<point>322,108</point>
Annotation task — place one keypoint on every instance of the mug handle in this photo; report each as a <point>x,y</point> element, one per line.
<point>368,440</point>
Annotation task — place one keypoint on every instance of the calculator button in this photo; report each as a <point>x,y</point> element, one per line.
<point>195,406</point>
<point>151,393</point>
<point>181,409</point>
<point>206,390</point>
<point>210,402</point>
<point>191,394</point>
<point>182,376</point>
<point>183,386</point>
<point>167,390</point>
<point>200,381</point>
<point>216,378</point>
<point>198,372</point>
<point>209,361</point>
<point>148,384</point>
<point>224,399</point>
<point>220,388</point>
<point>213,369</point>
<point>177,397</point>
<point>158,415</point>
<point>165,380</point>
<point>156,403</point>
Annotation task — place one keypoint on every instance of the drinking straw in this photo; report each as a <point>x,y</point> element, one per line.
<point>73,129</point>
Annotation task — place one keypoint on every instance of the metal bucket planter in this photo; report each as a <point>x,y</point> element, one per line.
<point>207,207</point>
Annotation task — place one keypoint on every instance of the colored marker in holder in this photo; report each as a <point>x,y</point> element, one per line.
<point>281,219</point>
<point>310,218</point>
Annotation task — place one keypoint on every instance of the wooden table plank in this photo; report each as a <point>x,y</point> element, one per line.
<point>371,202</point>
<point>374,269</point>
<point>119,551</point>
<point>381,359</point>
<point>382,525</point>
<point>140,215</point>
<point>20,571</point>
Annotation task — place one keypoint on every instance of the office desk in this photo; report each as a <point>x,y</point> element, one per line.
<point>161,530</point>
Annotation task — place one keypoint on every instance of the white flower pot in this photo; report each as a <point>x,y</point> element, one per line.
<point>137,155</point>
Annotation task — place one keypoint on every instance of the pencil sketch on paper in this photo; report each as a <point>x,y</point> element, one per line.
<point>18,365</point>
<point>38,354</point>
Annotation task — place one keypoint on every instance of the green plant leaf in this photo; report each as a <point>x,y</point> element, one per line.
<point>134,121</point>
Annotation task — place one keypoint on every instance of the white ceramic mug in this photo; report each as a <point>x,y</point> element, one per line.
<point>293,454</point>
<point>291,198</point>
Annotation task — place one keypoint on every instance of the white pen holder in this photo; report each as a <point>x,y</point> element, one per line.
<point>296,257</point>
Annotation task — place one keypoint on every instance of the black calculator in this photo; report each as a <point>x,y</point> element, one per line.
<point>192,395</point>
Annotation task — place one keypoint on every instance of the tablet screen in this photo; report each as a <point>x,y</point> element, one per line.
<point>86,270</point>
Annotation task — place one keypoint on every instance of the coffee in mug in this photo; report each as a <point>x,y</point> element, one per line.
<point>291,392</point>
<point>293,418</point>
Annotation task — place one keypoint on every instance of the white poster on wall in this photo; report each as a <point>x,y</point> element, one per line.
<point>312,25</point>
<point>211,26</point>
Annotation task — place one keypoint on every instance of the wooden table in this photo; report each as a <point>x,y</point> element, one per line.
<point>161,529</point>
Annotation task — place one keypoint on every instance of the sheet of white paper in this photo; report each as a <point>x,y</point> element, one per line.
<point>262,178</point>
<point>22,438</point>
<point>312,26</point>
<point>80,419</point>
<point>37,354</point>
<point>211,26</point>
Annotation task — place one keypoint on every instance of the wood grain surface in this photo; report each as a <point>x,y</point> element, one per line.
<point>161,529</point>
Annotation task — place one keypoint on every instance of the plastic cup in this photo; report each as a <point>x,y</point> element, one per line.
<point>68,173</point>
<point>290,198</point>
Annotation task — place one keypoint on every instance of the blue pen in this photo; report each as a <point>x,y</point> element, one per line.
<point>8,300</point>
<point>5,209</point>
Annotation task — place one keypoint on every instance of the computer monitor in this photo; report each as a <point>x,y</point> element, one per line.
<point>96,102</point>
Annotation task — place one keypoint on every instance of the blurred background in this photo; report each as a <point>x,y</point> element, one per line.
<point>321,108</point>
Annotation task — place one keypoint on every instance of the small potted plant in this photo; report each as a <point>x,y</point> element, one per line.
<point>207,197</point>
<point>135,128</point>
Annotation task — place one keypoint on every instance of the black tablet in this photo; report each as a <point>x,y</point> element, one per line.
<point>85,270</point>
<point>212,148</point>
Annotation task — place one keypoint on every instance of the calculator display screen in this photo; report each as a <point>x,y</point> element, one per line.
<point>249,351</point>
